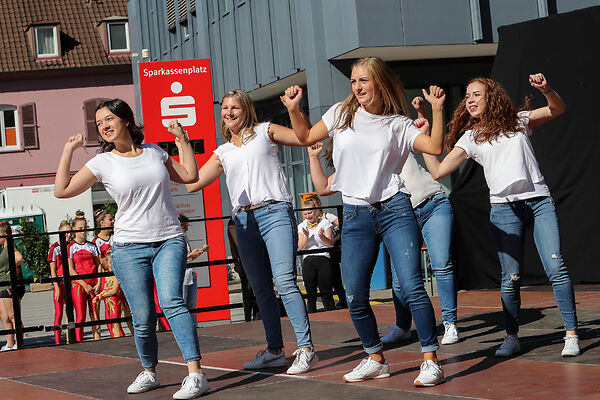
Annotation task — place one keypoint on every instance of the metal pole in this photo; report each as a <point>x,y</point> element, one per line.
<point>14,284</point>
<point>64,257</point>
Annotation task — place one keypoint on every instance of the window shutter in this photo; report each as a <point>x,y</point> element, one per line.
<point>29,126</point>
<point>193,6</point>
<point>170,13</point>
<point>91,137</point>
<point>182,9</point>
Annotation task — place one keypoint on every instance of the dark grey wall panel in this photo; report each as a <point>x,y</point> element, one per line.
<point>231,77</point>
<point>216,61</point>
<point>282,38</point>
<point>245,46</point>
<point>570,5</point>
<point>429,22</point>
<point>380,25</point>
<point>340,27</point>
<point>506,12</point>
<point>263,42</point>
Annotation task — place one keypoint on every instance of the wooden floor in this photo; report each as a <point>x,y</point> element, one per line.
<point>103,369</point>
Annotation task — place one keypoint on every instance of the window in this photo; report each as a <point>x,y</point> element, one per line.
<point>91,137</point>
<point>118,37</point>
<point>8,126</point>
<point>15,135</point>
<point>46,41</point>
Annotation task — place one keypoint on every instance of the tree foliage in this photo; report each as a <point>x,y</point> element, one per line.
<point>34,248</point>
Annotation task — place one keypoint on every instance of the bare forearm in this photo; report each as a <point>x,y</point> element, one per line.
<point>318,176</point>
<point>433,165</point>
<point>63,173</point>
<point>300,124</point>
<point>302,242</point>
<point>556,104</point>
<point>187,158</point>
<point>437,130</point>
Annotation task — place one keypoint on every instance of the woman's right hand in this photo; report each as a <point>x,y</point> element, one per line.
<point>315,149</point>
<point>56,293</point>
<point>88,289</point>
<point>291,97</point>
<point>436,95</point>
<point>417,102</point>
<point>74,142</point>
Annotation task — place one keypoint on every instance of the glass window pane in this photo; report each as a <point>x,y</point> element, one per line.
<point>299,180</point>
<point>297,153</point>
<point>117,37</point>
<point>11,137</point>
<point>9,119</point>
<point>45,41</point>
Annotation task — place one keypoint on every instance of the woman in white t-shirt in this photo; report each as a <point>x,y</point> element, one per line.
<point>372,138</point>
<point>316,232</point>
<point>486,128</point>
<point>264,222</point>
<point>148,241</point>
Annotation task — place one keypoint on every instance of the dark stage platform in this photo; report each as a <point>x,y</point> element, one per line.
<point>103,369</point>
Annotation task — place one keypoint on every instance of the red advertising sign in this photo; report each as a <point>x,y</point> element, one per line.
<point>182,90</point>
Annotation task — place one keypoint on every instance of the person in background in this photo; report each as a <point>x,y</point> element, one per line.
<point>7,315</point>
<point>111,294</point>
<point>56,270</point>
<point>190,280</point>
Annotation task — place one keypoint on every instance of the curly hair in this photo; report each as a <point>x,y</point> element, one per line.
<point>392,92</point>
<point>247,106</point>
<point>122,110</point>
<point>498,118</point>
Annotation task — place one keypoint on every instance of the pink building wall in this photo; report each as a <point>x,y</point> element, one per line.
<point>59,110</point>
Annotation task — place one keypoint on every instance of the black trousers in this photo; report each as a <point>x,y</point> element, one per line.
<point>317,271</point>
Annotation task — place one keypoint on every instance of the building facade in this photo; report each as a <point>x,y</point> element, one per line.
<point>264,46</point>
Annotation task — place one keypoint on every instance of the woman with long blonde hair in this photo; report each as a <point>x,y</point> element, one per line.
<point>487,128</point>
<point>372,139</point>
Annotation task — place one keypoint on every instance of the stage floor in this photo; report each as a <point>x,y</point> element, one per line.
<point>103,369</point>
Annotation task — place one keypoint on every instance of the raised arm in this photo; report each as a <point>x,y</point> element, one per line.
<point>186,170</point>
<point>555,107</point>
<point>304,133</point>
<point>321,183</point>
<point>433,144</point>
<point>66,186</point>
<point>449,164</point>
<point>209,172</point>
<point>419,104</point>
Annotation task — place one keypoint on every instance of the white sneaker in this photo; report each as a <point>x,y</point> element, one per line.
<point>395,335</point>
<point>6,348</point>
<point>266,359</point>
<point>192,386</point>
<point>303,362</point>
<point>450,333</point>
<point>431,374</point>
<point>145,381</point>
<point>509,347</point>
<point>368,369</point>
<point>571,348</point>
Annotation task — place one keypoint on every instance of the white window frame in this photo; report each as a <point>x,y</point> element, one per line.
<point>108,28</point>
<point>3,147</point>
<point>54,35</point>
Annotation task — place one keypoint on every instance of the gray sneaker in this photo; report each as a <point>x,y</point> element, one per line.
<point>509,347</point>
<point>144,382</point>
<point>266,359</point>
<point>571,348</point>
<point>395,335</point>
<point>192,386</point>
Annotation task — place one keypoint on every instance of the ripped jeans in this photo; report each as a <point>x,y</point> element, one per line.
<point>508,224</point>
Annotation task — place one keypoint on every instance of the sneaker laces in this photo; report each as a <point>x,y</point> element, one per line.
<point>190,382</point>
<point>362,363</point>
<point>301,355</point>
<point>507,343</point>
<point>144,376</point>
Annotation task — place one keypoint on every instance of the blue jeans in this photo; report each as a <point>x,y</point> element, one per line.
<point>137,266</point>
<point>364,227</point>
<point>268,236</point>
<point>435,221</point>
<point>508,222</point>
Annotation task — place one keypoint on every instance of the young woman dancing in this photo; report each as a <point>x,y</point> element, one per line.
<point>486,128</point>
<point>372,138</point>
<point>148,241</point>
<point>265,224</point>
<point>56,270</point>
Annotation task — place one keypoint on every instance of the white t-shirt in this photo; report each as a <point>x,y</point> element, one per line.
<point>188,277</point>
<point>511,170</point>
<point>368,157</point>
<point>314,241</point>
<point>332,217</point>
<point>253,171</point>
<point>140,187</point>
<point>419,182</point>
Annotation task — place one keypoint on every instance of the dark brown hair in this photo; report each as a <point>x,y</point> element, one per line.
<point>122,110</point>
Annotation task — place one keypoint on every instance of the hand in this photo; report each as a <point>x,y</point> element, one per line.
<point>436,96</point>
<point>74,142</point>
<point>291,97</point>
<point>88,289</point>
<point>422,124</point>
<point>305,232</point>
<point>176,129</point>
<point>315,150</point>
<point>417,102</point>
<point>195,253</point>
<point>539,82</point>
<point>57,293</point>
<point>204,249</point>
<point>321,233</point>
<point>97,299</point>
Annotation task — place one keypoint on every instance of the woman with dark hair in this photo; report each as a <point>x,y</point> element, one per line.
<point>6,295</point>
<point>148,241</point>
<point>265,224</point>
<point>372,139</point>
<point>487,128</point>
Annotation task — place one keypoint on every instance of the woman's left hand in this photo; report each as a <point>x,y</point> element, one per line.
<point>436,95</point>
<point>176,129</point>
<point>539,82</point>
<point>422,124</point>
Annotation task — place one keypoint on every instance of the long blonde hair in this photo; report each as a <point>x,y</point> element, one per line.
<point>250,119</point>
<point>393,95</point>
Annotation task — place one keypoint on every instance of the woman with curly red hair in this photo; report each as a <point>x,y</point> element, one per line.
<point>487,128</point>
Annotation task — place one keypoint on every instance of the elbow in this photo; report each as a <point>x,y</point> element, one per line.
<point>59,194</point>
<point>322,191</point>
<point>436,176</point>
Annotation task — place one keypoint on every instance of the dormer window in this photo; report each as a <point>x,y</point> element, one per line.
<point>46,41</point>
<point>118,36</point>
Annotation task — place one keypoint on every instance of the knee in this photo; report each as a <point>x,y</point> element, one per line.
<point>511,281</point>
<point>286,284</point>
